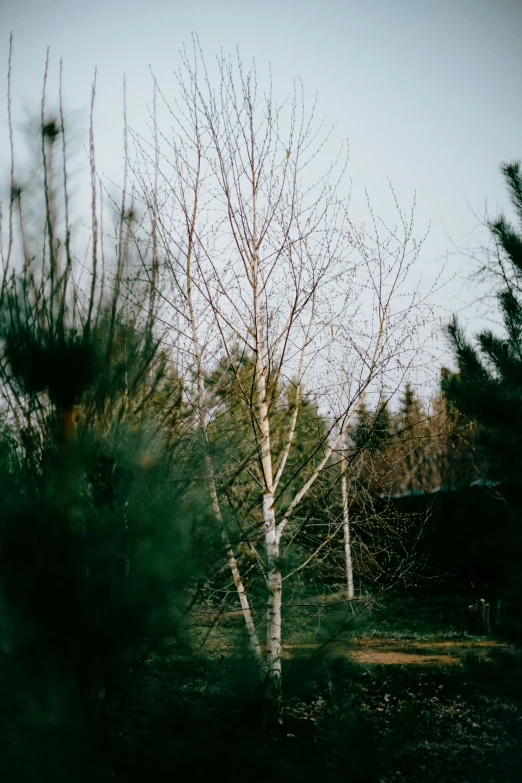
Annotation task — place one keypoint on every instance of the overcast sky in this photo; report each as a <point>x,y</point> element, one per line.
<point>427,92</point>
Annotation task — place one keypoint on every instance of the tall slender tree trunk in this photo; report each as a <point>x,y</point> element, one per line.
<point>346,526</point>
<point>273,695</point>
<point>231,558</point>
<point>243,600</point>
<point>232,563</point>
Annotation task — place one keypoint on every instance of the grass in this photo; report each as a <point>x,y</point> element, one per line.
<point>343,721</point>
<point>402,694</point>
<point>457,717</point>
<point>310,622</point>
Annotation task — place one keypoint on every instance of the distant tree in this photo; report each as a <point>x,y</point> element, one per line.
<point>455,459</point>
<point>410,424</point>
<point>372,436</point>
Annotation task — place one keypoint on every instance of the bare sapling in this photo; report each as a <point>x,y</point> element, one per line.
<point>259,259</point>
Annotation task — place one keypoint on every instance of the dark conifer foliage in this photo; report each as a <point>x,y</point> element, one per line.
<point>488,384</point>
<point>93,554</point>
<point>372,430</point>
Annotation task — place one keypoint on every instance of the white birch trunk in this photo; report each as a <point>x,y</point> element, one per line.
<point>232,563</point>
<point>273,695</point>
<point>346,525</point>
<point>231,559</point>
<point>273,680</point>
<point>243,600</point>
<point>347,542</point>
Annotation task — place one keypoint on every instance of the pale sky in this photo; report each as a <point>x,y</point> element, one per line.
<point>427,92</point>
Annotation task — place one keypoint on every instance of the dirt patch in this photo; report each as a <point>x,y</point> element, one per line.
<point>465,644</point>
<point>371,650</point>
<point>369,657</point>
<point>388,641</point>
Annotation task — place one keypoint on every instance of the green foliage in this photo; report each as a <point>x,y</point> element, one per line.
<point>373,428</point>
<point>93,556</point>
<point>94,526</point>
<point>488,385</point>
<point>234,429</point>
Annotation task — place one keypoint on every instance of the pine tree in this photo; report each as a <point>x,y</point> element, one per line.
<point>412,441</point>
<point>372,436</point>
<point>92,549</point>
<point>488,384</point>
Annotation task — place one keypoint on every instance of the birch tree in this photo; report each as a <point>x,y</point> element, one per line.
<point>346,524</point>
<point>258,254</point>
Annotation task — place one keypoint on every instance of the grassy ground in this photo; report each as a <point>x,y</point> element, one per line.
<point>313,622</point>
<point>451,710</point>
